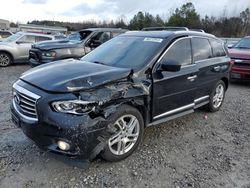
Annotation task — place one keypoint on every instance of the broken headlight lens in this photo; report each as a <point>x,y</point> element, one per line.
<point>77,107</point>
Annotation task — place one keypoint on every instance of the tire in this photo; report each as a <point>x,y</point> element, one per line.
<point>217,97</point>
<point>5,59</point>
<point>129,125</point>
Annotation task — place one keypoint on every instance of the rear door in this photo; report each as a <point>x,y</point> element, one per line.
<point>209,56</point>
<point>174,92</point>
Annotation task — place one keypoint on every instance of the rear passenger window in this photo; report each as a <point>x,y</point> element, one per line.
<point>180,52</point>
<point>218,49</point>
<point>201,49</point>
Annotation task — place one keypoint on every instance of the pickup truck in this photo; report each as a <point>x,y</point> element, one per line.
<point>103,102</point>
<point>75,46</point>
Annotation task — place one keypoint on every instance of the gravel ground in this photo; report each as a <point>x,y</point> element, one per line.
<point>198,150</point>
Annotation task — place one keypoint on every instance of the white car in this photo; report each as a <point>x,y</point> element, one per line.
<point>15,48</point>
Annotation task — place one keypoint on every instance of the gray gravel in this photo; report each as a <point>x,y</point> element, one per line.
<point>192,151</point>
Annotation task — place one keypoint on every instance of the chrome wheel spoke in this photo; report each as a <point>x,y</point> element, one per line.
<point>115,139</point>
<point>218,96</point>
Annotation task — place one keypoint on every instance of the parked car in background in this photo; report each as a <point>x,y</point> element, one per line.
<point>75,46</point>
<point>103,102</point>
<point>15,48</point>
<point>240,54</point>
<point>5,34</point>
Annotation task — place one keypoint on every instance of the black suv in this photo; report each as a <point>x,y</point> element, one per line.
<point>103,102</point>
<point>75,46</point>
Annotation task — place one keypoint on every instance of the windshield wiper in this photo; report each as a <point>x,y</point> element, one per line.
<point>241,47</point>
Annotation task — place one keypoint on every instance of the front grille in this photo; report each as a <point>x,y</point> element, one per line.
<point>25,102</point>
<point>241,62</point>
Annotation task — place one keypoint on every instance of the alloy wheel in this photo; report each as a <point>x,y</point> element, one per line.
<point>218,96</point>
<point>4,60</point>
<point>127,133</point>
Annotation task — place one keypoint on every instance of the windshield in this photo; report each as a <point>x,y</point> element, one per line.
<point>243,43</point>
<point>126,52</point>
<point>13,38</point>
<point>79,36</point>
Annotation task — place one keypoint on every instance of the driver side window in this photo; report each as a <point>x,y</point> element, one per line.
<point>28,39</point>
<point>180,53</point>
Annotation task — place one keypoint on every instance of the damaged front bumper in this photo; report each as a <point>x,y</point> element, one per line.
<point>86,136</point>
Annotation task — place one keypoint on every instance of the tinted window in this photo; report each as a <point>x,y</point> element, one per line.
<point>28,39</point>
<point>130,52</point>
<point>180,52</point>
<point>218,49</point>
<point>201,49</point>
<point>102,37</point>
<point>42,38</point>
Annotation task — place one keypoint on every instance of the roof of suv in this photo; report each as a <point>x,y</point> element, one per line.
<point>166,34</point>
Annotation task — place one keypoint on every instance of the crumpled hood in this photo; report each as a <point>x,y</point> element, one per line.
<point>72,75</point>
<point>239,53</point>
<point>56,44</point>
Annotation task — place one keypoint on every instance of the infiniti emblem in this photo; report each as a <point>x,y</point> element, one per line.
<point>17,99</point>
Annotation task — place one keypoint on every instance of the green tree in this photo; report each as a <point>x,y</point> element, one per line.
<point>186,16</point>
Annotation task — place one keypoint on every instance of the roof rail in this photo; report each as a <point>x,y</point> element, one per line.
<point>171,29</point>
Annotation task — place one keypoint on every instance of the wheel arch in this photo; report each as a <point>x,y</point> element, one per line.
<point>226,81</point>
<point>9,53</point>
<point>142,106</point>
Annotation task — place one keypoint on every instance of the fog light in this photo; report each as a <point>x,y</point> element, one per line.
<point>63,145</point>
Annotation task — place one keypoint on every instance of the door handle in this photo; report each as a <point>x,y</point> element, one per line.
<point>192,78</point>
<point>217,68</point>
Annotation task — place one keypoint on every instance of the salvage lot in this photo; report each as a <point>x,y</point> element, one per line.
<point>198,150</point>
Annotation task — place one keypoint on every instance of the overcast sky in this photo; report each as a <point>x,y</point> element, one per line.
<point>80,10</point>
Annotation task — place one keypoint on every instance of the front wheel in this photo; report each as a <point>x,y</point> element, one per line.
<point>217,97</point>
<point>129,127</point>
<point>5,59</point>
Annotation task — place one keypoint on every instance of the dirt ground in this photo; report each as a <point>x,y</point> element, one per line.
<point>198,150</point>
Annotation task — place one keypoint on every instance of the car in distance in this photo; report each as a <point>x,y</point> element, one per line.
<point>75,46</point>
<point>103,102</point>
<point>15,49</point>
<point>240,54</point>
<point>5,34</point>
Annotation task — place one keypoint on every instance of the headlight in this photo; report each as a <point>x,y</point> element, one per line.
<point>49,54</point>
<point>77,107</point>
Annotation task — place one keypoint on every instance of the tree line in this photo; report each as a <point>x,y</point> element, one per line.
<point>184,16</point>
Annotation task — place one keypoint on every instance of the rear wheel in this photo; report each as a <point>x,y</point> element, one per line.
<point>217,97</point>
<point>5,59</point>
<point>129,127</point>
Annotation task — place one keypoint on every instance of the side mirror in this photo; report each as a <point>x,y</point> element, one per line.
<point>21,42</point>
<point>230,45</point>
<point>170,65</point>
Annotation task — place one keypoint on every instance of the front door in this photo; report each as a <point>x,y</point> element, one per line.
<point>175,92</point>
<point>24,45</point>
